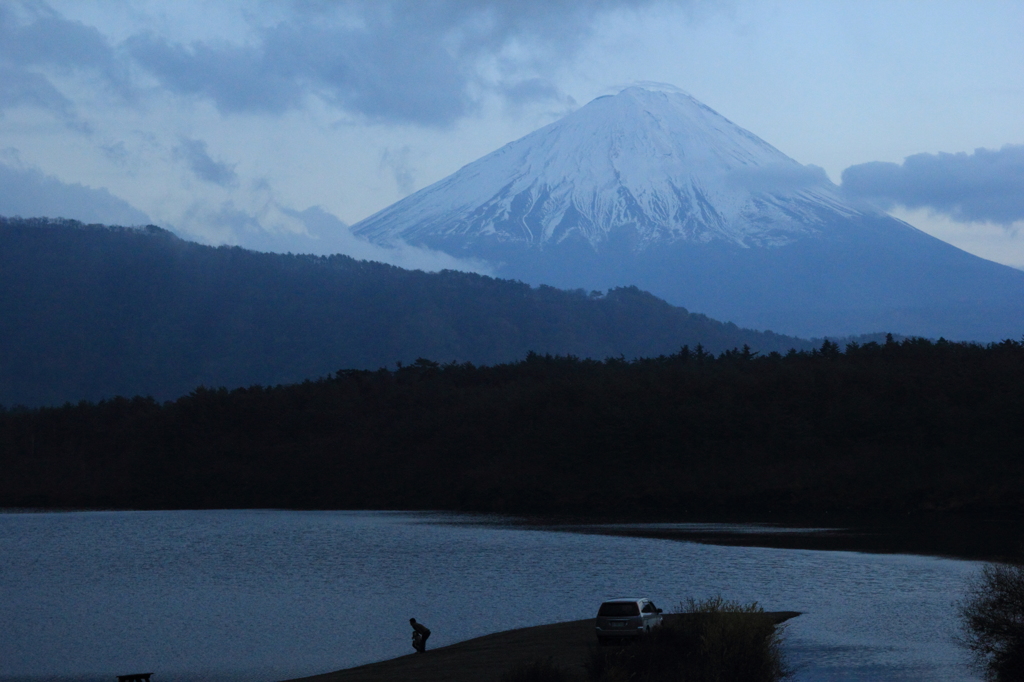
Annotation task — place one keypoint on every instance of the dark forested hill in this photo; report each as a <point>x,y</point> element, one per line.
<point>883,428</point>
<point>89,311</point>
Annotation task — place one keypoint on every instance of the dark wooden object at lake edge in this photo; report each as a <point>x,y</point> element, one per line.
<point>137,677</point>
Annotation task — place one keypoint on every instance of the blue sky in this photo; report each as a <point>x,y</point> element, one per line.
<point>275,124</point>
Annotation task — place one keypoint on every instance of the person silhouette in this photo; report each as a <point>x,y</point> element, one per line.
<point>420,633</point>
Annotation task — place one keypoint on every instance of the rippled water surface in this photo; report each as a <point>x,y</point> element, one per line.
<point>266,595</point>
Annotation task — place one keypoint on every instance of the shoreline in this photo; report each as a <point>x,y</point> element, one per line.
<point>942,535</point>
<point>488,657</point>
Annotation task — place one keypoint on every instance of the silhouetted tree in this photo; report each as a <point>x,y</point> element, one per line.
<point>992,617</point>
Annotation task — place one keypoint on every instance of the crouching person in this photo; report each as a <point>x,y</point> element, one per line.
<point>420,633</point>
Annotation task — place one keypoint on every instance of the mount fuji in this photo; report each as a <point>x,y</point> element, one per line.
<point>652,188</point>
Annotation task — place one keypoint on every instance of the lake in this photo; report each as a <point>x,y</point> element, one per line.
<point>267,595</point>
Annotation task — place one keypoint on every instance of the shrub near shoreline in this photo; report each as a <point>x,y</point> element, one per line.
<point>992,618</point>
<point>715,641</point>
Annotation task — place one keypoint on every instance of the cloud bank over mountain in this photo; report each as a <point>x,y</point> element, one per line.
<point>400,61</point>
<point>986,186</point>
<point>316,231</point>
<point>29,193</point>
<point>395,61</point>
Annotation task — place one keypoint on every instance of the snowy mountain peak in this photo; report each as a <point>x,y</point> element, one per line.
<point>651,188</point>
<point>651,162</point>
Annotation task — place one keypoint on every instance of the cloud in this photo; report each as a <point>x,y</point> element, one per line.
<point>397,161</point>
<point>116,152</point>
<point>279,229</point>
<point>779,178</point>
<point>19,87</point>
<point>529,91</point>
<point>326,235</point>
<point>395,61</point>
<point>194,154</point>
<point>33,40</point>
<point>236,78</point>
<point>39,36</point>
<point>29,193</point>
<point>987,185</point>
<point>391,61</point>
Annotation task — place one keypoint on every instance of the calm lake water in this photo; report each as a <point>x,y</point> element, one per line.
<point>267,595</point>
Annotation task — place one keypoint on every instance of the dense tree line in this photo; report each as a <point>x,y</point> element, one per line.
<point>893,427</point>
<point>90,312</point>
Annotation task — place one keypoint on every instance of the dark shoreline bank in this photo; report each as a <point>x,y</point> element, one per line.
<point>488,657</point>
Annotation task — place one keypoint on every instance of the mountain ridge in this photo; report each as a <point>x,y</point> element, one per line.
<point>89,312</point>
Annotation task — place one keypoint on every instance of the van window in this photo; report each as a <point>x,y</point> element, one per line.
<point>612,609</point>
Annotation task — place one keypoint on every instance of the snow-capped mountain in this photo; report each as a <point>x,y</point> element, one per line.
<point>654,161</point>
<point>652,188</point>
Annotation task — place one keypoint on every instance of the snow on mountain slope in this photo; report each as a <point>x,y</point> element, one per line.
<point>656,161</point>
